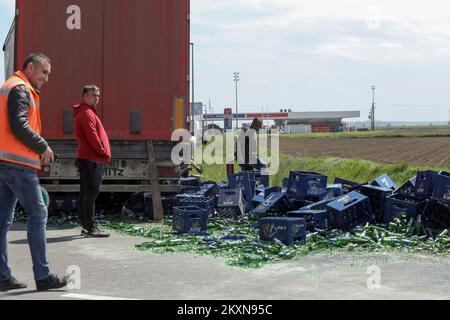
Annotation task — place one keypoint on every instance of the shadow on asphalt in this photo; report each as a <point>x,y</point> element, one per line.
<point>23,227</point>
<point>51,240</point>
<point>28,292</point>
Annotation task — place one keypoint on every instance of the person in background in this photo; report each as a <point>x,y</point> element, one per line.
<point>93,153</point>
<point>21,151</point>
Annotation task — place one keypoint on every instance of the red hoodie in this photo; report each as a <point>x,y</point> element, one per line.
<point>93,142</point>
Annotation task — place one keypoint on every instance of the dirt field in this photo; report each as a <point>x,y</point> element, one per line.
<point>433,152</point>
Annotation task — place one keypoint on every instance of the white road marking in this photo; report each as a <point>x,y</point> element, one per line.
<point>92,297</point>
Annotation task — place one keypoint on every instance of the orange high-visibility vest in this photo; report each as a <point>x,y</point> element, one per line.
<point>11,149</point>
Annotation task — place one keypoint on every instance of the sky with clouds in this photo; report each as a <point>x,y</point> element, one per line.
<point>319,55</point>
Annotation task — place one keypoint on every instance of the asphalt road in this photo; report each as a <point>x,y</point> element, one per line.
<point>113,269</point>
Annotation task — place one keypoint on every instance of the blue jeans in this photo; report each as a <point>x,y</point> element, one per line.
<point>17,184</point>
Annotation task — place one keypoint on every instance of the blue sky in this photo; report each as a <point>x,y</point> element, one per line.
<point>318,55</point>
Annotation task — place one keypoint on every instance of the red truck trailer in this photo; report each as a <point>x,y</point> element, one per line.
<point>137,52</point>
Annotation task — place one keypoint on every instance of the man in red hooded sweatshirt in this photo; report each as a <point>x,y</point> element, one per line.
<point>93,153</point>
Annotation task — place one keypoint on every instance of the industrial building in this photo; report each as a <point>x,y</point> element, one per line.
<point>298,122</point>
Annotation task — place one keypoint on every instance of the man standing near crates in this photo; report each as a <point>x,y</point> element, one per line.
<point>21,151</point>
<point>93,153</point>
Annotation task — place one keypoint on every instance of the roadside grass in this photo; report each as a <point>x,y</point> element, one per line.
<point>357,170</point>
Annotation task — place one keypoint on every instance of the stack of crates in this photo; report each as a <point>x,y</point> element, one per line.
<point>231,203</point>
<point>399,204</point>
<point>306,184</point>
<point>276,203</point>
<point>349,211</point>
<point>191,220</point>
<point>285,229</point>
<point>377,197</point>
<point>315,219</point>
<point>198,201</point>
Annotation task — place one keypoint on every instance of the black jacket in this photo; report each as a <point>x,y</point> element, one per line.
<point>18,109</point>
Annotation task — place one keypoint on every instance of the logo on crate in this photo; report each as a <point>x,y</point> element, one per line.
<point>399,211</point>
<point>295,228</point>
<point>196,227</point>
<point>447,195</point>
<point>270,230</point>
<point>344,200</point>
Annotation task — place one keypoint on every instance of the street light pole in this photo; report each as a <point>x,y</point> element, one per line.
<point>236,80</point>
<point>193,88</point>
<point>372,117</point>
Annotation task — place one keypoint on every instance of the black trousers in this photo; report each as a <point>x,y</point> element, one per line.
<point>91,176</point>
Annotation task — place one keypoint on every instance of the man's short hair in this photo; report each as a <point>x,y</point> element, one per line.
<point>89,88</point>
<point>35,58</point>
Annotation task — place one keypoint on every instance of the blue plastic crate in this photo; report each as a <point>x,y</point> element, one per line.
<point>258,199</point>
<point>349,211</point>
<point>287,230</point>
<point>191,220</point>
<point>188,189</point>
<point>201,202</point>
<point>442,188</point>
<point>399,204</point>
<point>425,182</point>
<point>243,181</point>
<point>377,197</point>
<point>384,181</point>
<point>305,183</point>
<point>436,215</point>
<point>231,203</point>
<point>276,203</point>
<point>298,203</point>
<point>209,189</point>
<point>321,205</point>
<point>315,219</point>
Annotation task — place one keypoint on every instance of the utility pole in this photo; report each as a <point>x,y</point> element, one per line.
<point>372,113</point>
<point>193,88</point>
<point>236,80</point>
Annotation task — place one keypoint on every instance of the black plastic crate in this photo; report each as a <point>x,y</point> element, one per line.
<point>425,182</point>
<point>231,203</point>
<point>349,211</point>
<point>347,185</point>
<point>275,204</point>
<point>436,215</point>
<point>407,188</point>
<point>305,183</point>
<point>442,188</point>
<point>190,220</point>
<point>399,204</point>
<point>287,230</point>
<point>201,202</point>
<point>315,219</point>
<point>377,197</point>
